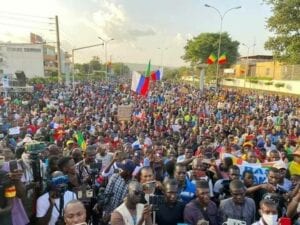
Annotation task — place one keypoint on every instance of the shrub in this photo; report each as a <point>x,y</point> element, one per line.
<point>269,83</point>
<point>279,85</point>
<point>229,79</point>
<point>253,81</point>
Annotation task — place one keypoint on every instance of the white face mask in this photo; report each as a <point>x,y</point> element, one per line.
<point>270,219</point>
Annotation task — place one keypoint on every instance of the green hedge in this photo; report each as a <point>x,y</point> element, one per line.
<point>279,85</point>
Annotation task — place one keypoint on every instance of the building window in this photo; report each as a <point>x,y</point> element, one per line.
<point>1,71</point>
<point>32,50</point>
<point>1,60</point>
<point>11,49</point>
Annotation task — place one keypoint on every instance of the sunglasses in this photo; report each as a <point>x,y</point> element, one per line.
<point>137,192</point>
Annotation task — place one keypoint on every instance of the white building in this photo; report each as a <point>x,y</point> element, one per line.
<point>25,57</point>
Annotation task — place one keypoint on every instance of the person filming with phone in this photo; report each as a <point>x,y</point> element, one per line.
<point>51,204</point>
<point>132,211</point>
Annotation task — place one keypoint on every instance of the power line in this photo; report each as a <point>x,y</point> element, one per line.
<point>24,26</point>
<point>26,15</point>
<point>25,19</point>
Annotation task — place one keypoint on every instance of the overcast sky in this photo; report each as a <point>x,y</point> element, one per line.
<point>139,27</point>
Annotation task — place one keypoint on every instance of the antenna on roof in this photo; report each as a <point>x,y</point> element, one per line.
<point>254,44</point>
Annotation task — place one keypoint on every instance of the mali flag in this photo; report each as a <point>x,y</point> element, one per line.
<point>222,59</point>
<point>80,140</point>
<point>211,59</point>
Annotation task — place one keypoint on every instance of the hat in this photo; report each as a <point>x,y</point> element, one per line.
<point>260,144</point>
<point>70,142</point>
<point>280,165</point>
<point>248,144</point>
<point>128,165</point>
<point>297,152</point>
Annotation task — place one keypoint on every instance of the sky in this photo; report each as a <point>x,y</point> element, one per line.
<point>142,30</point>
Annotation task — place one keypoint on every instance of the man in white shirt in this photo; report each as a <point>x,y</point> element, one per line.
<point>49,209</point>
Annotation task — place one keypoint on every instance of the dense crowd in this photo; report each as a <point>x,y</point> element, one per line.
<point>183,156</point>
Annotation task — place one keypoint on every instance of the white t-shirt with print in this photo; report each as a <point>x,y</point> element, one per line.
<point>43,205</point>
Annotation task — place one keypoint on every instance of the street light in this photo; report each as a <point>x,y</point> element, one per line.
<point>161,55</point>
<point>73,50</point>
<point>247,62</point>
<point>220,33</point>
<point>105,42</point>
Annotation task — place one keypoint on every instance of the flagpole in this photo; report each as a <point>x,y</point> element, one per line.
<point>220,36</point>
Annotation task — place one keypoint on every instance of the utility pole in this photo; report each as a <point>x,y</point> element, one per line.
<point>58,51</point>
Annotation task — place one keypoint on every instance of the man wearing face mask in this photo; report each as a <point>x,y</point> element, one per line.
<point>50,205</point>
<point>131,211</point>
<point>268,213</point>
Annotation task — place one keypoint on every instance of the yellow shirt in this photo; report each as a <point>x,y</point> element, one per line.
<point>294,168</point>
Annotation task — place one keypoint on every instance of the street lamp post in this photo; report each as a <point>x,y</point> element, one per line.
<point>247,63</point>
<point>162,55</point>
<point>220,34</point>
<point>105,42</point>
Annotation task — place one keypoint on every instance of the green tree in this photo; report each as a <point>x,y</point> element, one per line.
<point>198,49</point>
<point>120,69</point>
<point>95,64</point>
<point>285,24</point>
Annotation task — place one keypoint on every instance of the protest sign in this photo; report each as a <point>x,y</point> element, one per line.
<point>14,130</point>
<point>259,172</point>
<point>124,112</point>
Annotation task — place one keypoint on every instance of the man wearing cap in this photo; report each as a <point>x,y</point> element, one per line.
<point>68,148</point>
<point>294,166</point>
<point>49,207</point>
<point>83,168</point>
<point>283,182</point>
<point>118,185</point>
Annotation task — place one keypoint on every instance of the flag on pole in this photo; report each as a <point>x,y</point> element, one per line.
<point>140,83</point>
<point>156,75</point>
<point>211,59</point>
<point>148,69</point>
<point>135,81</point>
<point>223,59</point>
<point>146,83</point>
<point>35,39</point>
<point>80,140</point>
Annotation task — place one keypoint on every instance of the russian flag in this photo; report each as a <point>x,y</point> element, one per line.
<point>157,75</point>
<point>140,83</point>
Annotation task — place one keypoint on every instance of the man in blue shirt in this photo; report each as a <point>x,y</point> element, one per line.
<point>186,189</point>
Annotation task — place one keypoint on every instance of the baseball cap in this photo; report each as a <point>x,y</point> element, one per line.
<point>127,165</point>
<point>297,152</point>
<point>280,165</point>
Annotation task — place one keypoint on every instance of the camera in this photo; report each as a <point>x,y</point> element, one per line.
<point>95,167</point>
<point>102,198</point>
<point>156,200</point>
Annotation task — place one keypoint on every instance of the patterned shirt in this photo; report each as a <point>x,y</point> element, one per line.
<point>117,188</point>
<point>245,212</point>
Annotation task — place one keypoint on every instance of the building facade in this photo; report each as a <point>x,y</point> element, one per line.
<point>22,57</point>
<point>265,66</point>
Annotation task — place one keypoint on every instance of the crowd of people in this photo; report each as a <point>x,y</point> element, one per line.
<point>183,156</point>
